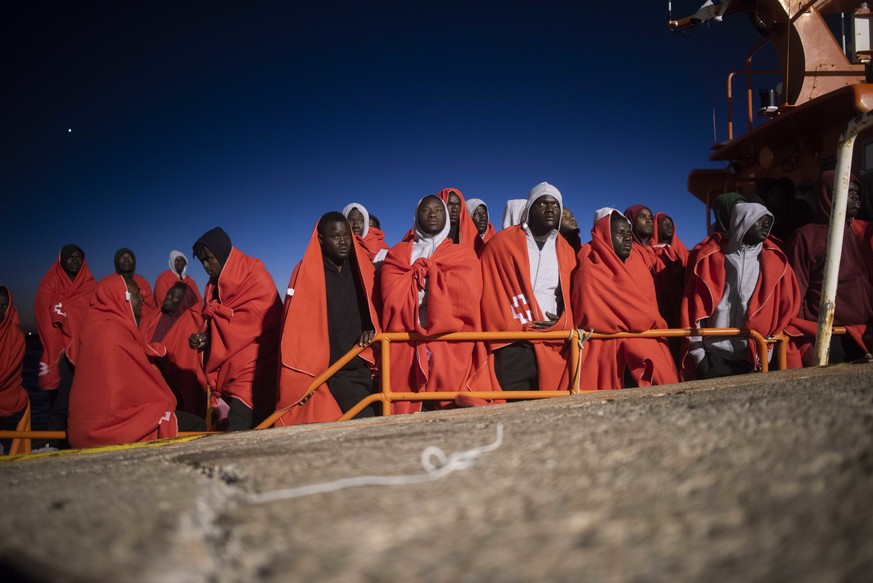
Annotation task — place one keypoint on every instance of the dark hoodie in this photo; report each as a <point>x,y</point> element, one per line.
<point>807,251</point>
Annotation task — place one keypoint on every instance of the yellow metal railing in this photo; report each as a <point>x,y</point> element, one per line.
<point>386,396</point>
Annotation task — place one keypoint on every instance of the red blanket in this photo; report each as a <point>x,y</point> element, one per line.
<point>509,304</point>
<point>59,309</point>
<point>180,364</point>
<point>481,240</point>
<point>373,242</point>
<point>673,251</point>
<point>772,306</point>
<point>305,340</point>
<point>118,396</point>
<point>244,325</point>
<point>468,234</point>
<point>454,289</point>
<point>13,397</point>
<point>168,279</point>
<point>611,295</point>
<point>670,277</point>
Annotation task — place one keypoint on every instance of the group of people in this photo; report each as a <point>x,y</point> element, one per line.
<point>128,364</point>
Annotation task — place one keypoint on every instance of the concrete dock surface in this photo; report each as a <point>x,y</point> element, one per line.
<point>762,477</point>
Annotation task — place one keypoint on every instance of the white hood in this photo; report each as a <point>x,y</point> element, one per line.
<point>173,255</point>
<point>355,205</point>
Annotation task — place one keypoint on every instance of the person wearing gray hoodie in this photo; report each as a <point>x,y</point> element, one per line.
<point>744,283</point>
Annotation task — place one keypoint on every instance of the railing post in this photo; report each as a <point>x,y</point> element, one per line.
<point>385,380</point>
<point>836,230</point>
<point>575,362</point>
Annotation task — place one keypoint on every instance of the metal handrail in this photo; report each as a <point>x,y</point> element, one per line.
<point>386,396</point>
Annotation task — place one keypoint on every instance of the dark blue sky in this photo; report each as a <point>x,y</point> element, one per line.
<point>261,116</point>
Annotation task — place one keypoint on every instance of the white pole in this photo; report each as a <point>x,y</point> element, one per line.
<point>835,235</point>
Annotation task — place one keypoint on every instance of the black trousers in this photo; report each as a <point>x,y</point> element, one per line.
<point>59,402</point>
<point>713,366</point>
<point>9,424</point>
<point>189,421</point>
<point>348,387</point>
<point>239,416</point>
<point>516,367</point>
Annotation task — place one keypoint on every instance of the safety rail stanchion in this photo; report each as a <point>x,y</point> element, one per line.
<point>762,349</point>
<point>575,362</point>
<point>781,341</point>
<point>385,379</point>
<point>20,444</point>
<point>209,409</point>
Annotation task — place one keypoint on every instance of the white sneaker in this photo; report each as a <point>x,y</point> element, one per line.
<point>44,449</point>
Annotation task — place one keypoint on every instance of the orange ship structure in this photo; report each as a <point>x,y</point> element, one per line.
<point>814,116</point>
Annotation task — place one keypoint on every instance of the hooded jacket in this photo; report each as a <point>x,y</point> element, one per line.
<point>736,285</point>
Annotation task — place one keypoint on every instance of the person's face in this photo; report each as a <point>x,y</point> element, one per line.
<point>666,229</point>
<point>4,304</point>
<point>180,264</point>
<point>125,263</point>
<point>568,221</point>
<point>172,300</point>
<point>211,265</point>
<point>480,218</point>
<point>74,262</point>
<point>622,237</point>
<point>454,206</point>
<point>853,204</point>
<point>759,231</point>
<point>544,215</point>
<point>431,216</point>
<point>336,242</point>
<point>135,298</point>
<point>644,224</point>
<point>373,224</point>
<point>356,220</point>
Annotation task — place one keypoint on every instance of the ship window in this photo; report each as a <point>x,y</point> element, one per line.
<point>868,156</point>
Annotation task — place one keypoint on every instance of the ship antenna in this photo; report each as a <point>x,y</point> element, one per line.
<point>714,135</point>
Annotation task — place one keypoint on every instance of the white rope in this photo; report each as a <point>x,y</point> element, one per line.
<point>434,460</point>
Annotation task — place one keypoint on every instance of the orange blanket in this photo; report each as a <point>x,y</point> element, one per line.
<point>509,304</point>
<point>180,364</point>
<point>774,303</point>
<point>670,279</point>
<point>454,287</point>
<point>118,396</point>
<point>13,397</point>
<point>168,279</point>
<point>611,295</point>
<point>373,242</point>
<point>468,234</point>
<point>59,310</point>
<point>305,343</point>
<point>244,325</point>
